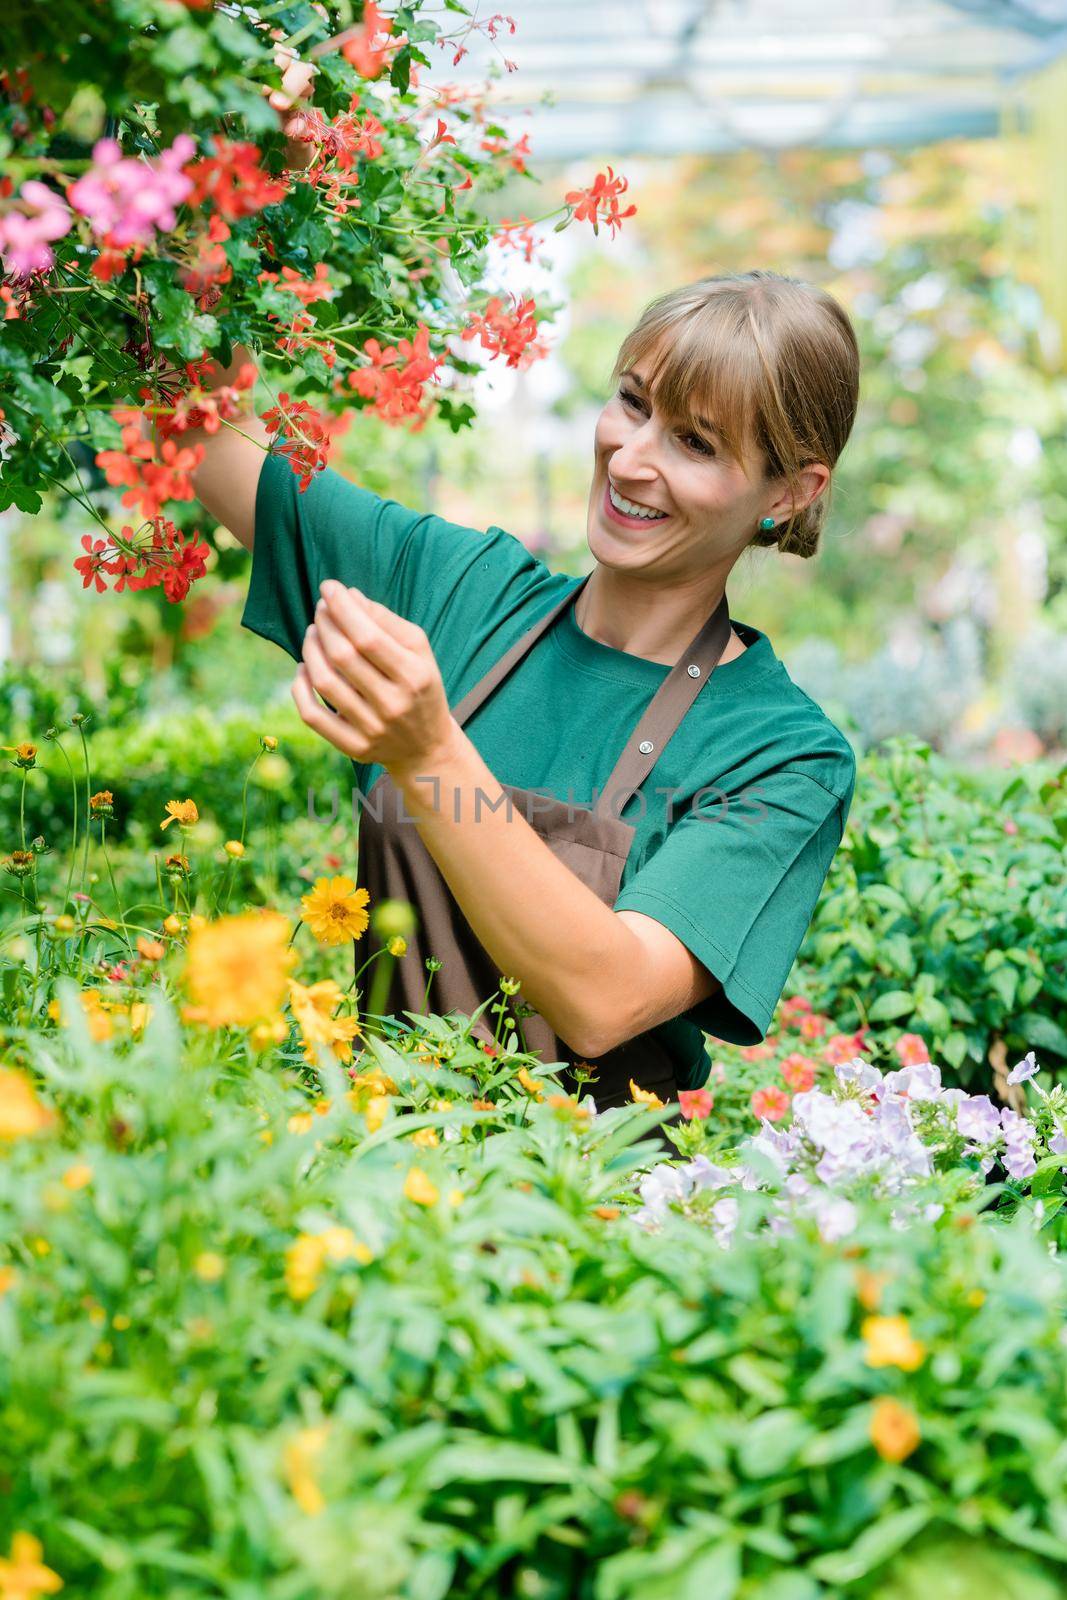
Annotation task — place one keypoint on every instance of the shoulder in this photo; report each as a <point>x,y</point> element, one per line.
<point>777,728</point>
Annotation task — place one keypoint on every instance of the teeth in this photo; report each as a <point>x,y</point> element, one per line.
<point>630,508</point>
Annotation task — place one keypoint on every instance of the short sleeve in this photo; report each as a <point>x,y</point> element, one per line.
<point>418,564</point>
<point>736,880</point>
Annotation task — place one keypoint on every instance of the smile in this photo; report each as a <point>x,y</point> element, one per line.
<point>631,509</point>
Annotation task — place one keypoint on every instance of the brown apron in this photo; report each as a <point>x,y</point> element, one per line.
<point>395,863</point>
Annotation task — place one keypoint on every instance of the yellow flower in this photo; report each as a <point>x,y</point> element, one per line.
<point>890,1343</point>
<point>97,1015</point>
<point>313,1006</point>
<point>139,1014</point>
<point>455,1197</point>
<point>102,803</point>
<point>375,1112</point>
<point>375,1081</point>
<point>530,1084</point>
<point>397,947</point>
<point>234,848</point>
<point>894,1430</point>
<point>268,741</point>
<point>64,925</point>
<point>25,754</point>
<point>419,1188</point>
<point>8,1278</point>
<point>183,812</point>
<point>644,1097</point>
<point>425,1138</point>
<point>300,1122</point>
<point>23,1575</point>
<point>309,1252</point>
<point>334,910</point>
<point>21,1113</point>
<point>209,1266</point>
<point>236,969</point>
<point>120,1321</point>
<point>172,925</point>
<point>299,1457</point>
<point>77,1176</point>
<point>264,1034</point>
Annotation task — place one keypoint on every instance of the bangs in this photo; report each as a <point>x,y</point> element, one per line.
<point>702,370</point>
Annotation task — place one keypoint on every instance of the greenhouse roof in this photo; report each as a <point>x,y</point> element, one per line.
<point>660,77</point>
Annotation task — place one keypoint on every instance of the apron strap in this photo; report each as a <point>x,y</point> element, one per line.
<point>664,712</point>
<point>499,671</point>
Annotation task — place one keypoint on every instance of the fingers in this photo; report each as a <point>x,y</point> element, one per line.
<point>387,641</point>
<point>334,687</point>
<point>321,720</point>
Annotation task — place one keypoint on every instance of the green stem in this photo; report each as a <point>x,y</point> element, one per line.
<point>114,885</point>
<point>88,792</point>
<point>74,839</point>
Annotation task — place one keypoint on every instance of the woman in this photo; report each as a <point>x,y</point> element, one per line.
<point>603,787</point>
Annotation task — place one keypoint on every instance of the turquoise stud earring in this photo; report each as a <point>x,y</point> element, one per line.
<point>767,523</point>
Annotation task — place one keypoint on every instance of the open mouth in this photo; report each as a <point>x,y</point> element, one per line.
<point>629,511</point>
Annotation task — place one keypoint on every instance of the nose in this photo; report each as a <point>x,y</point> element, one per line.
<point>634,460</point>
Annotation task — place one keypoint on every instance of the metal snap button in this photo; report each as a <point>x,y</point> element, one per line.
<point>694,672</point>
<point>646,747</point>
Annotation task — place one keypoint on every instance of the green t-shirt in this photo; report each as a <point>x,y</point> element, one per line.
<point>755,785</point>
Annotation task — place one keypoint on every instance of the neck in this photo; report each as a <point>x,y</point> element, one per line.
<point>644,619</point>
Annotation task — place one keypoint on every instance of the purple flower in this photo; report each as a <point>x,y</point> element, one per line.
<point>1058,1143</point>
<point>1025,1069</point>
<point>977,1118</point>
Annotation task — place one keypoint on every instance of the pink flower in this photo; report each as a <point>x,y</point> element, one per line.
<point>695,1103</point>
<point>770,1103</point>
<point>127,198</point>
<point>24,237</point>
<point>912,1050</point>
<point>799,1071</point>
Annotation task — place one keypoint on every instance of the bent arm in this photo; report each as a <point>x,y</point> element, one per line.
<point>597,976</point>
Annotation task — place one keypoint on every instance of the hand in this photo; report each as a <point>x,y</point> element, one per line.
<point>296,86</point>
<point>387,703</point>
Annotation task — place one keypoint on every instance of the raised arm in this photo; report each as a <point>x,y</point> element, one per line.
<point>228,476</point>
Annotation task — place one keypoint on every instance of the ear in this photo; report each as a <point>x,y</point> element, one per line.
<point>811,482</point>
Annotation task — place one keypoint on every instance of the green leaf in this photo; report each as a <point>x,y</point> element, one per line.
<point>772,1442</point>
<point>874,1546</point>
<point>894,1003</point>
<point>1041,1032</point>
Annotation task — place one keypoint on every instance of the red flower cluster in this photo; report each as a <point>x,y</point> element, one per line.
<point>157,555</point>
<point>396,377</point>
<point>305,433</point>
<point>207,268</point>
<point>510,332</point>
<point>600,201</point>
<point>516,236</point>
<point>233,180</point>
<point>307,290</point>
<point>363,49</point>
<point>151,475</point>
<point>205,408</point>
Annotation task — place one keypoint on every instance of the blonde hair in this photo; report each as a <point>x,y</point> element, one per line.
<point>770,361</point>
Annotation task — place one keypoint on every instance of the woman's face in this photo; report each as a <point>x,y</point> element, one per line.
<point>709,508</point>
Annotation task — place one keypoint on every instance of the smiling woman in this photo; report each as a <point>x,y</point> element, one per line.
<point>604,788</point>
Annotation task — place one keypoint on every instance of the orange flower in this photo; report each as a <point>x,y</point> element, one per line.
<point>183,812</point>
<point>23,1575</point>
<point>645,1097</point>
<point>894,1430</point>
<point>21,1113</point>
<point>237,968</point>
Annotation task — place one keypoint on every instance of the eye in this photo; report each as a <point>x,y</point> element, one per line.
<point>700,445</point>
<point>630,399</point>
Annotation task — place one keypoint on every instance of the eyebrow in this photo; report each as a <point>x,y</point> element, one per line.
<point>709,427</point>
